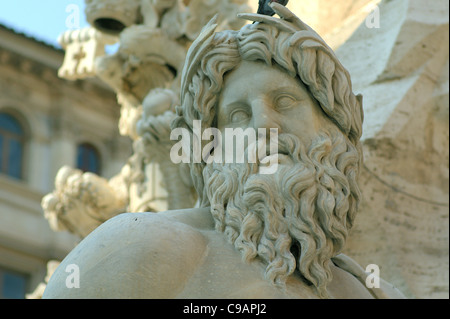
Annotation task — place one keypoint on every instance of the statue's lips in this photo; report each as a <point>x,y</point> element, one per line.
<point>279,154</point>
<point>269,163</point>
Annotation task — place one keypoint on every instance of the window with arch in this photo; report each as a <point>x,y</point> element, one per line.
<point>88,158</point>
<point>12,144</point>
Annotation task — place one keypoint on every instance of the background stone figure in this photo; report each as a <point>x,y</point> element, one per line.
<point>276,236</point>
<point>154,36</point>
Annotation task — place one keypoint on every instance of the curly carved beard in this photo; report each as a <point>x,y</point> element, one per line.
<point>296,219</point>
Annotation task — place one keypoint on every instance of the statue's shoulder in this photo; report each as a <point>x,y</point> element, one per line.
<point>378,288</point>
<point>133,255</point>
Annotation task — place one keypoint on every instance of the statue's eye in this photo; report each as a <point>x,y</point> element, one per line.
<point>238,116</point>
<point>285,101</point>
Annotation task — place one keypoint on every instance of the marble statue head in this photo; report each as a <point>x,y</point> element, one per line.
<point>278,73</point>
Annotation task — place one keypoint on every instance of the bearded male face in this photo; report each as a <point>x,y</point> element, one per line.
<point>297,218</point>
<point>278,74</point>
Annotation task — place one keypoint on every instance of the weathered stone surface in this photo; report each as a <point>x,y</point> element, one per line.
<point>401,69</point>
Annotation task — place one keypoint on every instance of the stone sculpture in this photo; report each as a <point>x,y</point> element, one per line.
<point>145,72</point>
<point>253,235</point>
<point>82,48</point>
<point>97,198</point>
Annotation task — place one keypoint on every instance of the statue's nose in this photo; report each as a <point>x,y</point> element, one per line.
<point>264,116</point>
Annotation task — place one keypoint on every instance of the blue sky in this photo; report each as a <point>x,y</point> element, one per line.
<point>42,19</point>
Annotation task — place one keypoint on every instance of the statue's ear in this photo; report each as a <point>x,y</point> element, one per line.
<point>359,98</point>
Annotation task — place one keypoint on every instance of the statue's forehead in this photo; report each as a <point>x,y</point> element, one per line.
<point>251,77</point>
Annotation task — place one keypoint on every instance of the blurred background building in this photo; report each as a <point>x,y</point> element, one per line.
<point>45,122</point>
